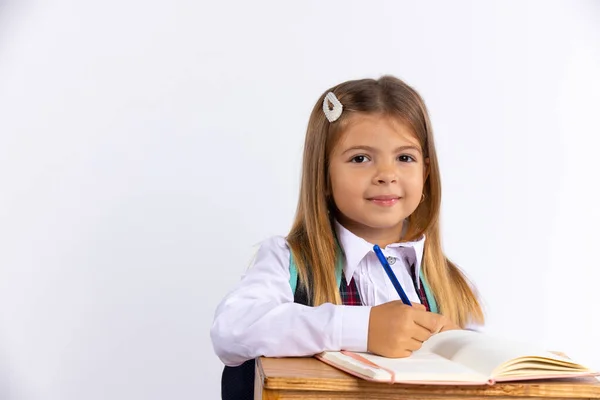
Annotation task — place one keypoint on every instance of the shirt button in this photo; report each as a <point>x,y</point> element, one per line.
<point>391,260</point>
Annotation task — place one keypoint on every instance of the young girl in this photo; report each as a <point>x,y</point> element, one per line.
<point>370,176</point>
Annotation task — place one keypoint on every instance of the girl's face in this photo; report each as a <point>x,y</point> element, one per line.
<point>377,172</point>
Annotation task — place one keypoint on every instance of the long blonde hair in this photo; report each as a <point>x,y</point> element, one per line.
<point>312,238</point>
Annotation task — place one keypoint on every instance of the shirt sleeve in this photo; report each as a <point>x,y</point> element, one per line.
<point>259,316</point>
<point>475,327</point>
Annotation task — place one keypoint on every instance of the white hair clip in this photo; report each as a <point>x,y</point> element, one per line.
<point>334,113</point>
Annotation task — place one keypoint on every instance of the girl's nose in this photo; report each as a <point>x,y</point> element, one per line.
<point>386,175</point>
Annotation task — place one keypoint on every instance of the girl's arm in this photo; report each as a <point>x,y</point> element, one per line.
<point>259,316</point>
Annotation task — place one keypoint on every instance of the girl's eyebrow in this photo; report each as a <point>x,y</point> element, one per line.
<point>374,150</point>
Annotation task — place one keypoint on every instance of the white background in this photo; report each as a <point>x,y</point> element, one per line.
<point>146,147</point>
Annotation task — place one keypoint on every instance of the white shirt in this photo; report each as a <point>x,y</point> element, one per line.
<point>259,316</point>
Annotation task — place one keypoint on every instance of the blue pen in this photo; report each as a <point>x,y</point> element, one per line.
<point>391,275</point>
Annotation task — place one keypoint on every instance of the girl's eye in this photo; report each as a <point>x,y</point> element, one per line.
<point>359,159</point>
<point>406,158</point>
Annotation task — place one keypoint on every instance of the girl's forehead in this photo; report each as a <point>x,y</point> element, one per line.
<point>365,127</point>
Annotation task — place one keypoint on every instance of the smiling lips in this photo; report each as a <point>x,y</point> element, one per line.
<point>387,200</point>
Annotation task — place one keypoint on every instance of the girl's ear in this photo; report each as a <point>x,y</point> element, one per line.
<point>426,169</point>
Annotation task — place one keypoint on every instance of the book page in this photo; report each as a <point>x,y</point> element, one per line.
<point>489,355</point>
<point>421,366</point>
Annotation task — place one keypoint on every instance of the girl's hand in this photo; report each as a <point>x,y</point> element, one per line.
<point>396,330</point>
<point>449,325</point>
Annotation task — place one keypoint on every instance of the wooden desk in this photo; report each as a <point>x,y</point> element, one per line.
<point>309,378</point>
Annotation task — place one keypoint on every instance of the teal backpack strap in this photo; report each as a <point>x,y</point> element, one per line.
<point>339,267</point>
<point>293,274</point>
<point>339,263</point>
<point>430,298</point>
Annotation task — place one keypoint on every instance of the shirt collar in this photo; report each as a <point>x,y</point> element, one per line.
<point>356,248</point>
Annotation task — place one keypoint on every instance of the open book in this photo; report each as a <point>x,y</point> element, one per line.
<point>459,357</point>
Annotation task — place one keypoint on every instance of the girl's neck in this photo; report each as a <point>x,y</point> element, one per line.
<point>378,236</point>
